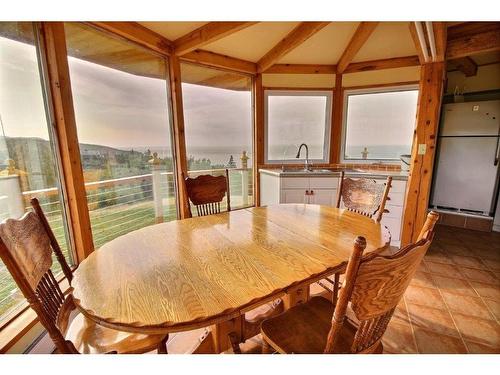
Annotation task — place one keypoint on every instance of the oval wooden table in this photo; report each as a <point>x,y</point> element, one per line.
<point>210,270</point>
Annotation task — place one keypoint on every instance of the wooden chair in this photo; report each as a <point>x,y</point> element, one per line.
<point>206,192</point>
<point>364,196</point>
<point>26,248</point>
<point>373,287</point>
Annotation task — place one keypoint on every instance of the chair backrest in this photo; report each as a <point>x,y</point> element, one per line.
<point>364,196</point>
<point>206,192</point>
<point>373,286</point>
<point>26,248</point>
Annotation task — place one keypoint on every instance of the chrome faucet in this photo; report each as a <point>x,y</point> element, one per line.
<point>307,167</point>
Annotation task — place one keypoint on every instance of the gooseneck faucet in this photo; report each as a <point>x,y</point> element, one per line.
<point>306,163</point>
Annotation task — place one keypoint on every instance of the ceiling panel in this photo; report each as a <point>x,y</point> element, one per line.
<point>390,39</point>
<point>324,47</point>
<point>487,58</point>
<point>253,42</point>
<point>172,30</point>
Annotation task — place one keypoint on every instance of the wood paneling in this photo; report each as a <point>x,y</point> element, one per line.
<point>178,134</point>
<point>65,127</point>
<point>395,62</point>
<point>139,34</point>
<point>419,182</point>
<point>295,38</point>
<point>301,69</point>
<point>337,115</point>
<point>361,35</point>
<point>258,134</point>
<point>206,34</point>
<point>220,61</point>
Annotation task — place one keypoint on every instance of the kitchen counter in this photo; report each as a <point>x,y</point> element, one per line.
<point>335,172</point>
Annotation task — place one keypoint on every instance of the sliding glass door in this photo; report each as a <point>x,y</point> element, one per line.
<point>123,122</point>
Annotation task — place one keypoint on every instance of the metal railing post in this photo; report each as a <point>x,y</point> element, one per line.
<point>156,185</point>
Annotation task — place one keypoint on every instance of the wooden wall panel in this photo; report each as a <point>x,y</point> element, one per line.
<point>65,129</point>
<point>427,122</point>
<point>337,116</point>
<point>258,131</point>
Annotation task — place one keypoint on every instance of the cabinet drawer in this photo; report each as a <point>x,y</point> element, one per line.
<point>394,226</point>
<point>331,183</point>
<point>295,183</point>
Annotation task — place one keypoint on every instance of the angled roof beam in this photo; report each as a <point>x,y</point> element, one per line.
<point>293,39</point>
<point>302,69</point>
<point>440,37</point>
<point>137,34</point>
<point>217,60</point>
<point>357,41</point>
<point>468,45</point>
<point>465,65</point>
<point>206,34</point>
<point>421,52</point>
<point>394,62</point>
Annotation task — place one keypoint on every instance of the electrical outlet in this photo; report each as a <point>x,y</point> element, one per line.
<point>421,148</point>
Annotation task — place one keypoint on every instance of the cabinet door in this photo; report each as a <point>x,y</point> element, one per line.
<point>325,197</point>
<point>294,196</point>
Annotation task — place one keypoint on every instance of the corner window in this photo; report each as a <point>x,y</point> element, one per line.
<point>296,117</point>
<point>378,123</point>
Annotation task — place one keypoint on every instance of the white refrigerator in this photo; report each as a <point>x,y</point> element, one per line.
<point>467,164</point>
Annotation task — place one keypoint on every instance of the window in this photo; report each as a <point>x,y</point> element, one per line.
<point>218,127</point>
<point>28,165</point>
<point>295,117</point>
<point>379,123</point>
<point>122,117</point>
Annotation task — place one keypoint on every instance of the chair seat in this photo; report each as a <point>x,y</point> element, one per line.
<point>304,329</point>
<point>92,338</point>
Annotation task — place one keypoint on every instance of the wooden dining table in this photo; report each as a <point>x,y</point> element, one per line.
<point>210,271</point>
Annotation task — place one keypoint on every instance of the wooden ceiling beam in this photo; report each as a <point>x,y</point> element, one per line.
<point>416,41</point>
<point>291,41</point>
<point>466,29</point>
<point>217,60</point>
<point>363,32</point>
<point>440,38</point>
<point>302,69</point>
<point>464,64</point>
<point>395,62</point>
<point>138,34</point>
<point>488,41</point>
<point>206,34</point>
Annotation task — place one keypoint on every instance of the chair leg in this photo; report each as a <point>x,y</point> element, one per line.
<point>336,285</point>
<point>162,347</point>
<point>235,342</point>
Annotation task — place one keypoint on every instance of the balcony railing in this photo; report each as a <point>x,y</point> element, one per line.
<point>118,206</point>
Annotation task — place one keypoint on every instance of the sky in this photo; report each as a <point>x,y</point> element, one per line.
<point>122,110</point>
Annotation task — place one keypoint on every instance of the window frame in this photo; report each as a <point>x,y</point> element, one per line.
<point>361,91</point>
<point>328,123</point>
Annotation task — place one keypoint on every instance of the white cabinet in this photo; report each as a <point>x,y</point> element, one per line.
<point>275,189</point>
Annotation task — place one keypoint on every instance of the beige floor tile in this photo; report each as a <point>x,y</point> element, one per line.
<point>494,307</point>
<point>473,306</point>
<point>475,348</point>
<point>398,338</point>
<point>431,319</point>
<point>423,279</point>
<point>429,342</point>
<point>466,261</point>
<point>424,296</point>
<point>482,331</point>
<point>486,290</point>
<point>454,285</point>
<point>492,264</point>
<point>439,257</point>
<point>448,270</point>
<point>479,275</point>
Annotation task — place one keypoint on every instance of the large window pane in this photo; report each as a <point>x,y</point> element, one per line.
<point>296,117</point>
<point>121,108</point>
<point>27,160</point>
<point>379,125</point>
<point>218,127</point>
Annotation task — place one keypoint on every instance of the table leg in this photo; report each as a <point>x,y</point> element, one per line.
<point>221,332</point>
<point>295,296</point>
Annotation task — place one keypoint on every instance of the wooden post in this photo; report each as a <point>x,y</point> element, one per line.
<point>244,178</point>
<point>178,134</point>
<point>337,116</point>
<point>432,77</point>
<point>155,164</point>
<point>57,75</point>
<point>258,131</point>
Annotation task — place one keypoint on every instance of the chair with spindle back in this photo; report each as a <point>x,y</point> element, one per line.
<point>365,197</point>
<point>26,248</point>
<point>373,287</point>
<point>206,193</point>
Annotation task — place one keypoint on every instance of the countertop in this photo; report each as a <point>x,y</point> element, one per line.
<point>335,172</point>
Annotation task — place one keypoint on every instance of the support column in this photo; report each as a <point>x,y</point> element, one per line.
<point>336,128</point>
<point>258,139</point>
<point>178,134</point>
<point>432,78</point>
<point>155,163</point>
<point>63,121</point>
